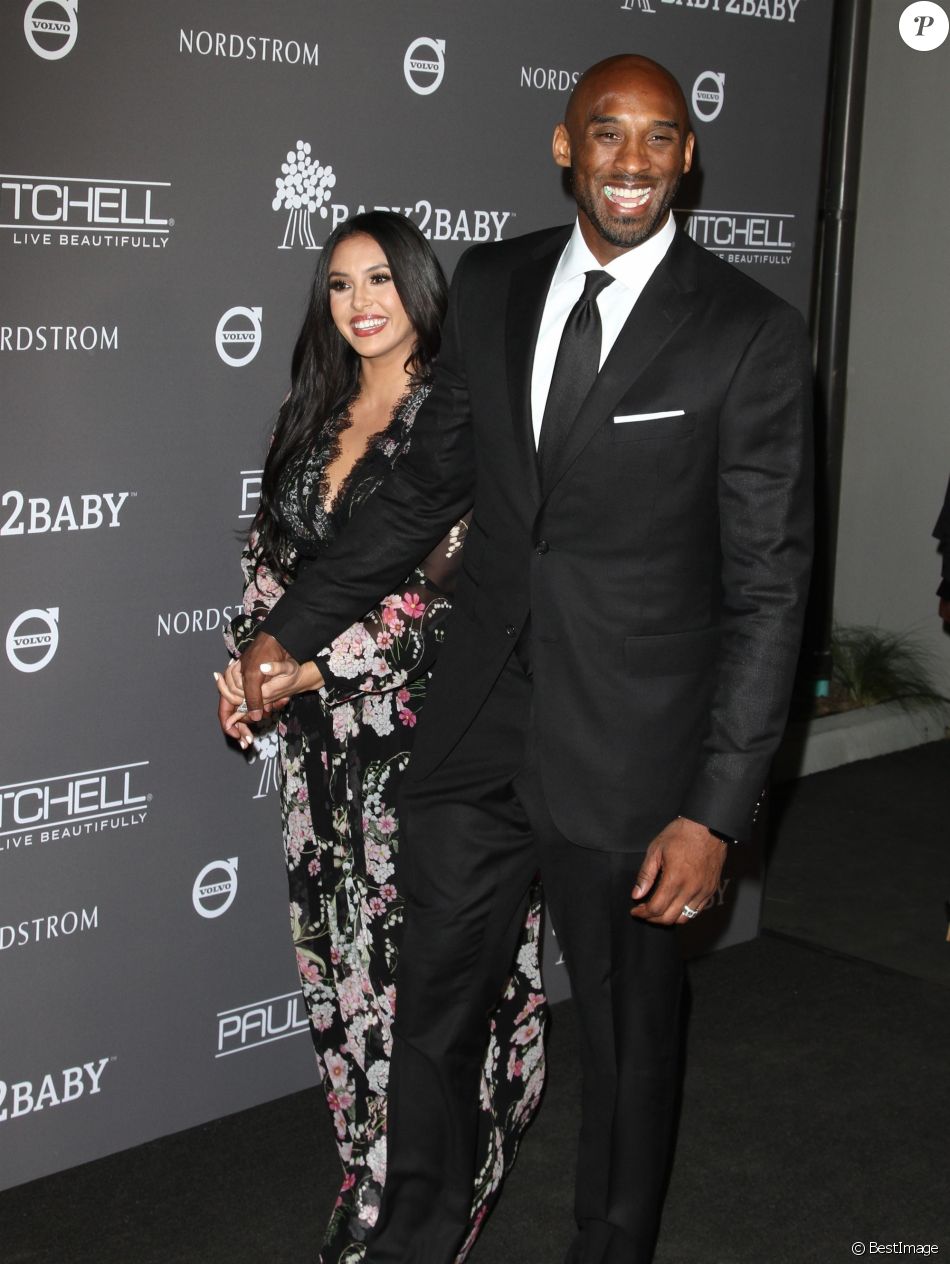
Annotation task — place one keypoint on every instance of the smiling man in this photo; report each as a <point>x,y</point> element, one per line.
<point>631,418</point>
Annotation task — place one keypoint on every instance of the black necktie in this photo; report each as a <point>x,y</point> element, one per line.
<point>575,371</point>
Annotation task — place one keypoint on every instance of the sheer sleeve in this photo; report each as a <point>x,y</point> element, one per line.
<point>396,644</point>
<point>262,591</point>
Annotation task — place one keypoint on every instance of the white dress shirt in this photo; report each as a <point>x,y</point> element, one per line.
<point>631,271</point>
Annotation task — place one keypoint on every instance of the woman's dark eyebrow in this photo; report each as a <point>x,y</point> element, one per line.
<point>374,267</point>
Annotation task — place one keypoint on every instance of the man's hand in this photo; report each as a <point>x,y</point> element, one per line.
<point>681,868</point>
<point>263,649</point>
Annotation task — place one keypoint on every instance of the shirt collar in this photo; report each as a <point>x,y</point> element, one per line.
<point>629,269</point>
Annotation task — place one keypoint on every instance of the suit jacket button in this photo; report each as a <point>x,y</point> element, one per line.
<point>542,546</point>
<point>510,630</point>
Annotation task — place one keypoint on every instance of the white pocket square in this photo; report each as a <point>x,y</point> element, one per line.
<point>673,412</point>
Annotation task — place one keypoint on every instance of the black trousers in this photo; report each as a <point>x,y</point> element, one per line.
<point>477,831</point>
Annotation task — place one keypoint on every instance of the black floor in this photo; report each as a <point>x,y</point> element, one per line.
<point>816,1100</point>
<point>861,861</point>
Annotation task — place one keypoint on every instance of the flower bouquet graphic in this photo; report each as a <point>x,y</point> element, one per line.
<point>303,187</point>
<point>265,750</point>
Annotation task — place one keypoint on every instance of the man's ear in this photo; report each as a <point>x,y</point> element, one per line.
<point>688,152</point>
<point>561,146</point>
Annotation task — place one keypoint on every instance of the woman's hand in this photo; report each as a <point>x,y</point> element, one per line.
<point>231,708</point>
<point>287,678</point>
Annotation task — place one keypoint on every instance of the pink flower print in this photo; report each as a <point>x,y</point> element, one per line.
<point>534,1000</point>
<point>530,1031</point>
<point>390,617</point>
<point>408,718</point>
<point>348,1183</point>
<point>384,640</point>
<point>366,685</point>
<point>515,1065</point>
<point>413,606</point>
<point>403,695</point>
<point>377,907</point>
<point>381,667</point>
<point>336,1069</point>
<point>388,891</point>
<point>313,868</point>
<point>391,600</point>
<point>387,823</point>
<point>333,1101</point>
<point>335,957</point>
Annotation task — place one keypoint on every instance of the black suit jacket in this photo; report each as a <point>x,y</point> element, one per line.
<point>665,570</point>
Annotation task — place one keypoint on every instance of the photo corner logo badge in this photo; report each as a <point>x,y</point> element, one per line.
<point>238,335</point>
<point>424,74</point>
<point>924,26</point>
<point>303,187</point>
<point>709,93</point>
<point>51,27</point>
<point>212,896</point>
<point>33,639</point>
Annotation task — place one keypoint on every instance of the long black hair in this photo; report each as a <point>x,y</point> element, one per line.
<point>325,369</point>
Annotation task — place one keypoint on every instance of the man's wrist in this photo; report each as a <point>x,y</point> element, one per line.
<point>723,838</point>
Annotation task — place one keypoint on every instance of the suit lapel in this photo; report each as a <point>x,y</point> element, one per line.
<point>526,297</point>
<point>665,303</point>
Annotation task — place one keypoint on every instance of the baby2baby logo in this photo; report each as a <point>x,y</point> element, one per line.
<point>305,187</point>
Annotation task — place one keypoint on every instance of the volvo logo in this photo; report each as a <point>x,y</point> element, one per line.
<point>709,92</point>
<point>238,335</point>
<point>211,897</point>
<point>51,27</point>
<point>424,72</point>
<point>31,648</point>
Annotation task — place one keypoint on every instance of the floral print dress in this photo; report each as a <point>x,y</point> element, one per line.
<point>343,752</point>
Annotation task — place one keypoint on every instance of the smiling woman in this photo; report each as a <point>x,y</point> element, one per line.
<point>361,370</point>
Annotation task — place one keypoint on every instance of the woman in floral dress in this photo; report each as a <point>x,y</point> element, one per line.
<point>361,369</point>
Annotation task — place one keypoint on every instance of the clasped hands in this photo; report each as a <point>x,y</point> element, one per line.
<point>682,865</point>
<point>260,682</point>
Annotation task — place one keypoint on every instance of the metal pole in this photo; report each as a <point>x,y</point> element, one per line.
<point>849,55</point>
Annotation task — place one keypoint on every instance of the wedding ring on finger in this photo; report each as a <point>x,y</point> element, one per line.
<point>689,913</point>
<point>242,706</point>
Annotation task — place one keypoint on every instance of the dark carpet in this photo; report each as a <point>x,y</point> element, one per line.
<point>861,860</point>
<point>816,1101</point>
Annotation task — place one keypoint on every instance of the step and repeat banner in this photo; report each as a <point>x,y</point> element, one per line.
<point>168,173</point>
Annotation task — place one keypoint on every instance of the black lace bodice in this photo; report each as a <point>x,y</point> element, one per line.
<point>309,521</point>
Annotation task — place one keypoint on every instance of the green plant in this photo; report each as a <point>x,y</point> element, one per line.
<point>872,666</point>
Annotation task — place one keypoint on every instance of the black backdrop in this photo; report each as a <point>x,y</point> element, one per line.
<point>151,297</point>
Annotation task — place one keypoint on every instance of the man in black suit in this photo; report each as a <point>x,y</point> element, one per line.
<point>631,417</point>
